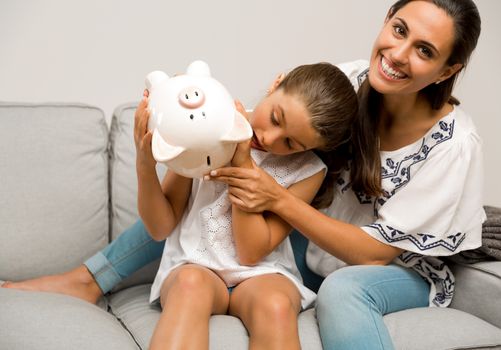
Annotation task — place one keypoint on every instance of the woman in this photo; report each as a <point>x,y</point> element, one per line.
<point>424,195</point>
<point>413,191</point>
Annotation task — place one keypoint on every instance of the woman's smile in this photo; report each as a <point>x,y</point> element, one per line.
<point>390,71</point>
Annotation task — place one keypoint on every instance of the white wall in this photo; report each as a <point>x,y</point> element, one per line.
<point>98,51</point>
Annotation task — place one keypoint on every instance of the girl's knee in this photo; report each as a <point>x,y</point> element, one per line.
<point>277,308</point>
<point>187,282</point>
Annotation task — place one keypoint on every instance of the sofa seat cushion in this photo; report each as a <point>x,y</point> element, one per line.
<point>54,186</point>
<point>47,321</point>
<point>440,329</point>
<point>132,308</point>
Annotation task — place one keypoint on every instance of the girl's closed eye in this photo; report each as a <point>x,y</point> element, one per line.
<point>274,119</point>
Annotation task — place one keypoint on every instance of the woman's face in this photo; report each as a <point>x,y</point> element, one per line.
<point>282,125</point>
<point>412,49</point>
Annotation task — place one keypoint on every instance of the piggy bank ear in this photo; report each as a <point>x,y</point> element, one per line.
<point>198,68</point>
<point>155,78</point>
<point>241,130</point>
<point>161,150</point>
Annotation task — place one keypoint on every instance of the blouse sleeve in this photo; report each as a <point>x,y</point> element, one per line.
<point>439,211</point>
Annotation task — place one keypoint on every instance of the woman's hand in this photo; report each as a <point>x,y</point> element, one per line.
<point>250,189</point>
<point>242,157</point>
<point>142,137</point>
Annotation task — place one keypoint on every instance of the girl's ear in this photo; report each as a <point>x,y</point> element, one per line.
<point>275,83</point>
<point>449,71</point>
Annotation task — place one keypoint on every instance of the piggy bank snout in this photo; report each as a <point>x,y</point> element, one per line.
<point>191,97</point>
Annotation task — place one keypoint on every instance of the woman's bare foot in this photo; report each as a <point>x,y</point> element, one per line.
<point>77,282</point>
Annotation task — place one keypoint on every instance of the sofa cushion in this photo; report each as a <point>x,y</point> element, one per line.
<point>47,321</point>
<point>433,328</point>
<point>484,301</point>
<point>54,186</point>
<point>132,308</point>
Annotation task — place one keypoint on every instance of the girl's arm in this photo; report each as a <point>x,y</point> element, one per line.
<point>254,190</point>
<point>160,206</point>
<point>258,234</point>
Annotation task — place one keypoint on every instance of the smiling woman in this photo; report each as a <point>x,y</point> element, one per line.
<point>413,190</point>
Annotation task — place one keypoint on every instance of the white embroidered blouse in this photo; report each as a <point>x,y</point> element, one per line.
<point>204,235</point>
<point>432,202</point>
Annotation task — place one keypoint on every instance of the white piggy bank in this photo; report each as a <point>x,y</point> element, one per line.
<point>195,124</point>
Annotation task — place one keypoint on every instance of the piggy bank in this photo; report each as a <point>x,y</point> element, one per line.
<point>194,122</point>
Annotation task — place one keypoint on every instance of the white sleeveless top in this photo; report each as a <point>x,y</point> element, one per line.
<point>204,234</point>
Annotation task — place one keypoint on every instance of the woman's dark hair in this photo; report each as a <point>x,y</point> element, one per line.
<point>366,166</point>
<point>332,103</point>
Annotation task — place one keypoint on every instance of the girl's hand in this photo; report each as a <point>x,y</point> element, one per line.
<point>252,190</point>
<point>242,157</point>
<point>142,137</point>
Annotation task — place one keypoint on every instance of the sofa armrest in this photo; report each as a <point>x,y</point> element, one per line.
<point>478,290</point>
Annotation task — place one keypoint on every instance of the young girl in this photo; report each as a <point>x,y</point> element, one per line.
<point>219,259</point>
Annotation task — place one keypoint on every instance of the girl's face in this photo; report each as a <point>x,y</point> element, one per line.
<point>282,125</point>
<point>412,49</point>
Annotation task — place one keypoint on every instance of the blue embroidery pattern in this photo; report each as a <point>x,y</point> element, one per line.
<point>362,76</point>
<point>434,271</point>
<point>395,174</point>
<point>399,171</point>
<point>423,241</point>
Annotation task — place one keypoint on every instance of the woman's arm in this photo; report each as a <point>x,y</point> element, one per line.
<point>258,234</point>
<point>254,190</point>
<point>160,205</point>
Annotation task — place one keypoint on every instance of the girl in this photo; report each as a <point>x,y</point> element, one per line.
<point>219,259</point>
<point>413,190</point>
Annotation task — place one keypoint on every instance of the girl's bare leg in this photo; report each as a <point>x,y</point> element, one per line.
<point>77,282</point>
<point>268,305</point>
<point>189,296</point>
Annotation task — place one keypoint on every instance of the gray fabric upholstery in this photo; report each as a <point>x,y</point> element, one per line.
<point>56,210</point>
<point>54,187</point>
<point>46,321</point>
<point>478,290</point>
<point>439,328</point>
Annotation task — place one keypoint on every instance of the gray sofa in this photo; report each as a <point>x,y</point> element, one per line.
<point>68,187</point>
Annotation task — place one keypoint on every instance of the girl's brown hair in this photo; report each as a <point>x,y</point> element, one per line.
<point>366,165</point>
<point>332,103</point>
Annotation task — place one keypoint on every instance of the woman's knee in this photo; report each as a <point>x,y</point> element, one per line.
<point>340,286</point>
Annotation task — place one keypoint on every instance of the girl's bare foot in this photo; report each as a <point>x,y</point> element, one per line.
<point>77,282</point>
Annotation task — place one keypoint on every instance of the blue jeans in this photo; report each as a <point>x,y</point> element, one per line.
<point>133,249</point>
<point>352,301</point>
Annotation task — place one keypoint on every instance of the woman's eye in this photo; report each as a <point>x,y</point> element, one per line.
<point>425,52</point>
<point>399,30</point>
